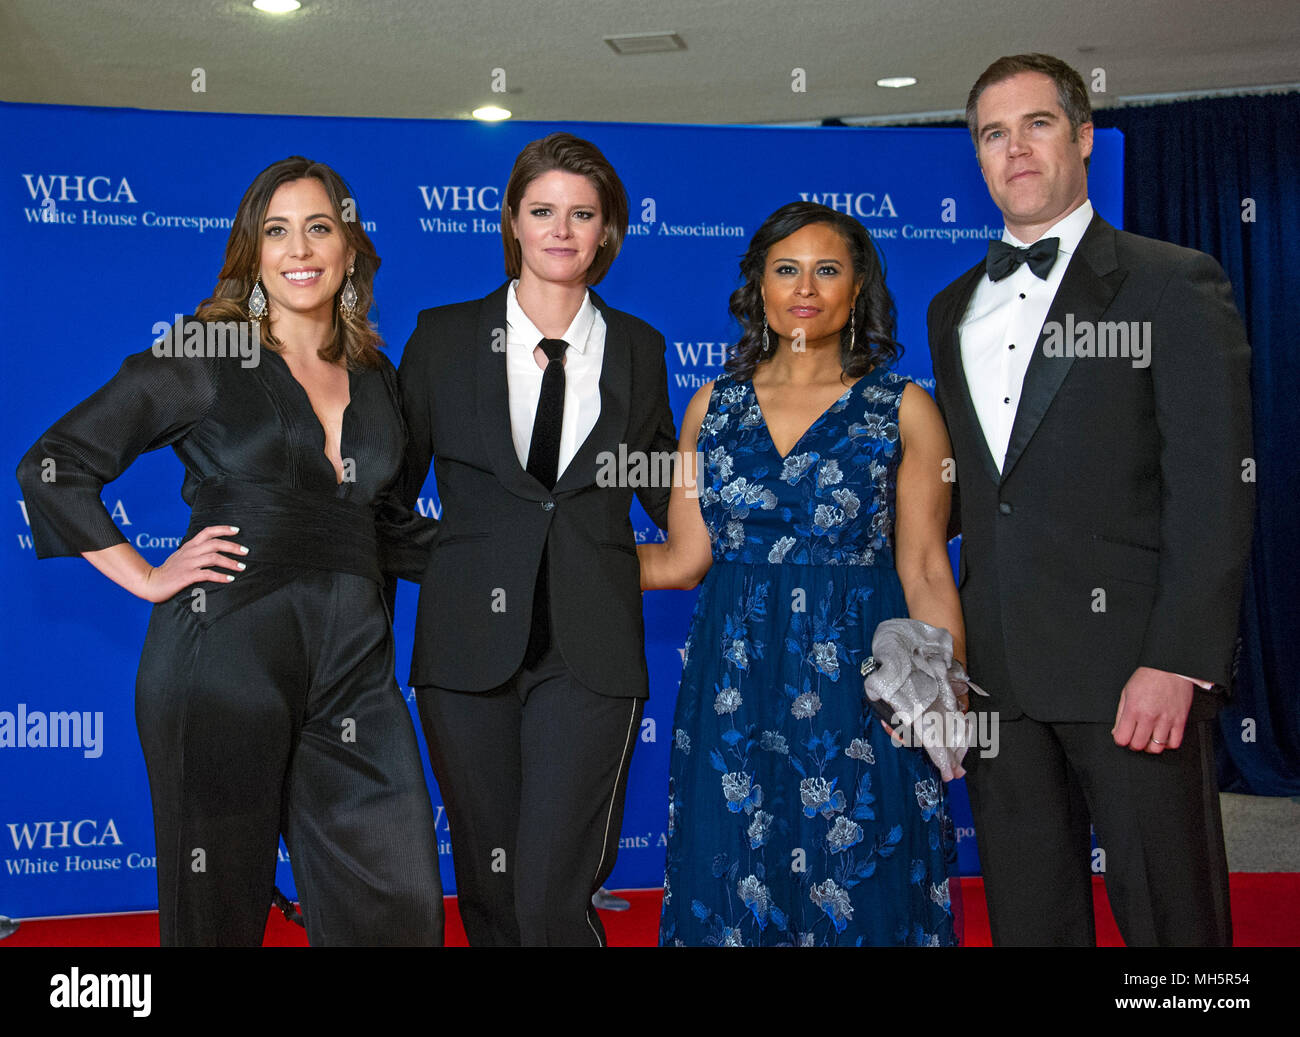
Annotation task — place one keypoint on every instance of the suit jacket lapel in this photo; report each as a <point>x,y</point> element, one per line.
<point>963,289</point>
<point>494,400</point>
<point>615,402</point>
<point>1090,282</point>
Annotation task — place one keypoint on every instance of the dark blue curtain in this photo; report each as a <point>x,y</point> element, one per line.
<point>1192,171</point>
<point>1223,176</point>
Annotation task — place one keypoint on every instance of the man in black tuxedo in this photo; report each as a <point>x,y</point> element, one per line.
<point>529,658</point>
<point>1096,387</point>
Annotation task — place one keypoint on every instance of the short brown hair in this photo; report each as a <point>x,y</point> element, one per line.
<point>570,154</point>
<point>1070,90</point>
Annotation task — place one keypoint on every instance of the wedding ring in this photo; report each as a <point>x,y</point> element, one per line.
<point>1156,741</point>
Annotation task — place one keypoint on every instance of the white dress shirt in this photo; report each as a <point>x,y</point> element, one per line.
<point>1000,330</point>
<point>582,362</point>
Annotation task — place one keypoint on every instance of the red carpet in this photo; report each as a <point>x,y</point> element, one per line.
<point>1265,913</point>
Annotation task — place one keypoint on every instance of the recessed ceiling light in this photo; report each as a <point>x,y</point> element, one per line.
<point>276,6</point>
<point>490,113</point>
<point>897,81</point>
<point>646,42</point>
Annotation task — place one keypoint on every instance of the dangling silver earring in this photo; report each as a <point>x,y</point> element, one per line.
<point>257,300</point>
<point>853,335</point>
<point>767,345</point>
<point>348,300</point>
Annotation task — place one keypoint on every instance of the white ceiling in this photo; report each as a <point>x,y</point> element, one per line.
<point>427,59</point>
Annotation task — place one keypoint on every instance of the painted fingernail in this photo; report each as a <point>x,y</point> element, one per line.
<point>242,565</point>
<point>234,529</point>
<point>244,550</point>
<point>229,578</point>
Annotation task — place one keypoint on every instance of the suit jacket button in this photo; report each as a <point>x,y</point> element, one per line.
<point>547,505</point>
<point>1005,507</point>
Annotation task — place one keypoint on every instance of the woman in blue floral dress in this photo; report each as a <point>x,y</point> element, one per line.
<point>817,508</point>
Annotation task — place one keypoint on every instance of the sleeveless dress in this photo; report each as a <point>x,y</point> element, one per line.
<point>793,819</point>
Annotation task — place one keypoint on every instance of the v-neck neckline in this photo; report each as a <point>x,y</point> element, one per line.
<point>806,432</point>
<point>343,418</point>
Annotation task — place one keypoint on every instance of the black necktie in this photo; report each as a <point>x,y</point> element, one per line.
<point>543,463</point>
<point>1003,258</point>
<point>544,449</point>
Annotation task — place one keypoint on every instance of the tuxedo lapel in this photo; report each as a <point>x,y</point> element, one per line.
<point>494,399</point>
<point>615,402</point>
<point>963,289</point>
<point>1090,283</point>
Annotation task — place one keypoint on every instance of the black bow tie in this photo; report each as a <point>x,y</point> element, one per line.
<point>1003,258</point>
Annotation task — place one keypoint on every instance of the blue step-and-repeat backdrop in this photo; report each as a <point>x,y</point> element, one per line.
<point>116,220</point>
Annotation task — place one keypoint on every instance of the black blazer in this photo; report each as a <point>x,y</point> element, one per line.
<point>1118,479</point>
<point>475,608</point>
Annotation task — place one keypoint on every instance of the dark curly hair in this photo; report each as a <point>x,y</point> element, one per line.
<point>873,312</point>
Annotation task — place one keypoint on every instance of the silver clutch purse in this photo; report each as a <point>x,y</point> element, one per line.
<point>913,682</point>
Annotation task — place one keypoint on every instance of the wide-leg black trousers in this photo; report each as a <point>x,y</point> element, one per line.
<point>282,716</point>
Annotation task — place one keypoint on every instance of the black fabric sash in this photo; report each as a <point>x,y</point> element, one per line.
<point>287,527</point>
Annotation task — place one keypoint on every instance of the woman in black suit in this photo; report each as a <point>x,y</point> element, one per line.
<point>266,700</point>
<point>529,659</point>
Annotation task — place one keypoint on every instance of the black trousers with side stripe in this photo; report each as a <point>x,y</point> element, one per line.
<point>533,776</point>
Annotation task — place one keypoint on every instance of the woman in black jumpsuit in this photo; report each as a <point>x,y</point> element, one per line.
<point>266,701</point>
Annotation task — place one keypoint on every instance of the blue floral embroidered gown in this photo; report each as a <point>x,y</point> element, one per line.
<point>792,817</point>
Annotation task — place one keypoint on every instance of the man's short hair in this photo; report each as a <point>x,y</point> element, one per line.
<point>1070,90</point>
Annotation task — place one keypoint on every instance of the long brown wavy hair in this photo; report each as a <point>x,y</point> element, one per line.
<point>354,338</point>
